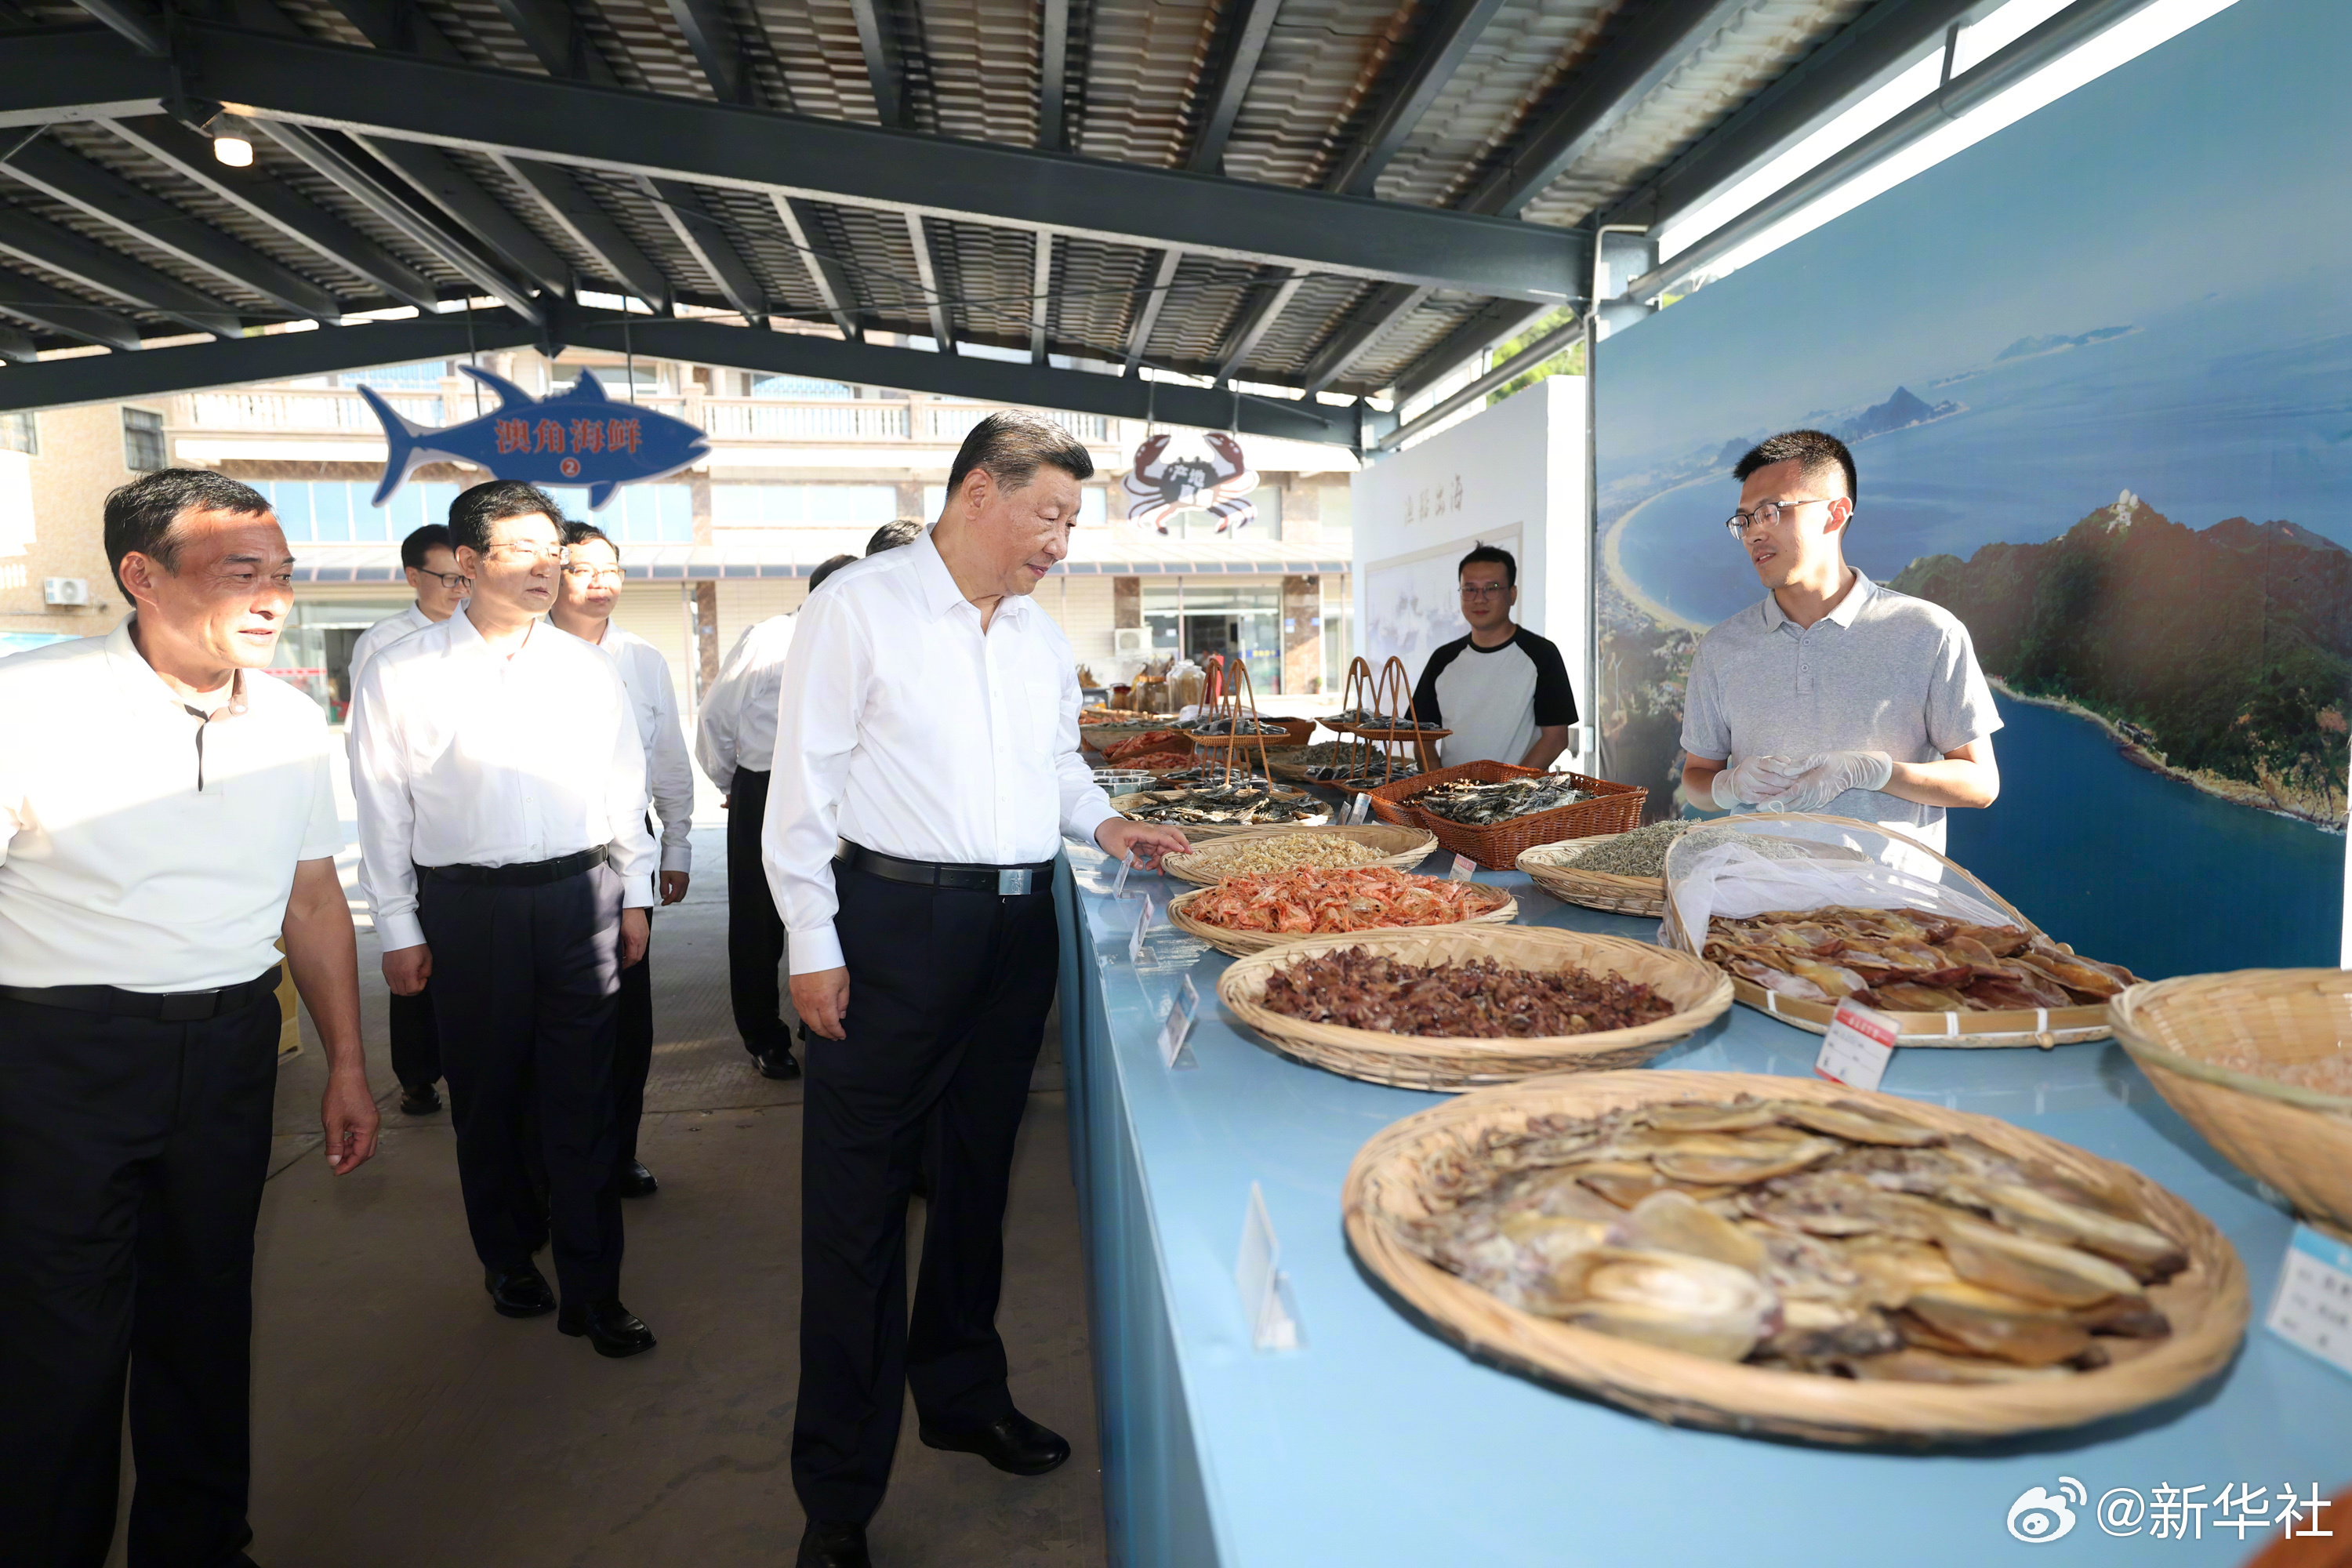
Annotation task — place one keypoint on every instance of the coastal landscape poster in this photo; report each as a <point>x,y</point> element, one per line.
<point>2096,373</point>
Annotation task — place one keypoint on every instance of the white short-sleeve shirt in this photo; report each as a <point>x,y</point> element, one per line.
<point>129,857</point>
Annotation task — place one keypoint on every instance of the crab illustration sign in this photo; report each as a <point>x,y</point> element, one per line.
<point>1175,471</point>
<point>579,437</point>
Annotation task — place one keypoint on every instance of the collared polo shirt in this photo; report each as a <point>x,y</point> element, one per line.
<point>1881,672</point>
<point>128,855</point>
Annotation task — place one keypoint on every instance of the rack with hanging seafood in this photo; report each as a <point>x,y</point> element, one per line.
<point>1378,713</point>
<point>1231,724</point>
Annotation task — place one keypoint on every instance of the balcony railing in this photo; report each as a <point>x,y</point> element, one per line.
<point>871,420</point>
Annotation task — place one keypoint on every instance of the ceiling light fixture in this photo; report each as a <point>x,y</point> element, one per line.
<point>234,151</point>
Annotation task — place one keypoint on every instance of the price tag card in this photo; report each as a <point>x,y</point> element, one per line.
<point>1178,1023</point>
<point>1859,1045</point>
<point>1359,809</point>
<point>1464,868</point>
<point>1258,1276</point>
<point>2313,1308</point>
<point>1118,883</point>
<point>1142,925</point>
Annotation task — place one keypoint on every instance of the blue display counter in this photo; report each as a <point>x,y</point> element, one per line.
<point>1376,1442</point>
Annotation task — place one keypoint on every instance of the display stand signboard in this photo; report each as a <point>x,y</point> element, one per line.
<point>2313,1308</point>
<point>1857,1048</point>
<point>1257,1273</point>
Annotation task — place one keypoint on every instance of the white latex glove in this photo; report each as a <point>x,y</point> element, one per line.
<point>1829,775</point>
<point>1753,781</point>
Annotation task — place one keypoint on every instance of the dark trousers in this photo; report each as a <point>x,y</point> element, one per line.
<point>755,932</point>
<point>416,1039</point>
<point>526,983</point>
<point>632,1053</point>
<point>947,995</point>
<point>131,1158</point>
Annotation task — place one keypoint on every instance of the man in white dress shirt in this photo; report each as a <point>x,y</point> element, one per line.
<point>735,740</point>
<point>584,600</point>
<point>926,767</point>
<point>166,814</point>
<point>501,793</point>
<point>431,562</point>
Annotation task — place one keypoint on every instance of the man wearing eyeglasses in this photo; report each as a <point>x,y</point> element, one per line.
<point>586,596</point>
<point>431,562</point>
<point>1502,689</point>
<point>501,789</point>
<point>1834,694</point>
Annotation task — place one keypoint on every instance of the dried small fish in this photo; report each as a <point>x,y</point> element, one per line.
<point>1476,804</point>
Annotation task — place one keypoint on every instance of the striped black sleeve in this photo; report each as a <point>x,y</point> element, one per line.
<point>1555,699</point>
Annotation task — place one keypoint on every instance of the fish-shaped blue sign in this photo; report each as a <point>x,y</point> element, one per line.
<point>577,437</point>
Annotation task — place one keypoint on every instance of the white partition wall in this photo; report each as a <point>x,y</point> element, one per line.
<point>1514,476</point>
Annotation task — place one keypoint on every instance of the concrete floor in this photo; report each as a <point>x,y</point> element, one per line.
<point>398,1421</point>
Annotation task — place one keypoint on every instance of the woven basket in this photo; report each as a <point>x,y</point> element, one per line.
<point>1242,943</point>
<point>1403,847</point>
<point>1699,992</point>
<point>2298,1139</point>
<point>1616,808</point>
<point>2207,1302</point>
<point>1552,868</point>
<point>2036,1026</point>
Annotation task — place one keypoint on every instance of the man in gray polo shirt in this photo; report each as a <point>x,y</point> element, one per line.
<point>1833,694</point>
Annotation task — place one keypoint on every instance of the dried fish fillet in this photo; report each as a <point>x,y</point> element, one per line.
<point>1666,1299</point>
<point>2036,1270</point>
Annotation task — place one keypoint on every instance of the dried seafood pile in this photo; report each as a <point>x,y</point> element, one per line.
<point>1365,719</point>
<point>1264,857</point>
<point>1476,804</point>
<point>1237,803</point>
<point>1477,998</point>
<point>1643,852</point>
<point>1227,725</point>
<point>1832,1238</point>
<point>1136,746</point>
<point>1311,901</point>
<point>1154,761</point>
<point>1908,961</point>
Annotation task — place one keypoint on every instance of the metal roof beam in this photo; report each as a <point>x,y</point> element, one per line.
<point>100,193</point>
<point>1861,57</point>
<point>1437,54</point>
<point>832,285</point>
<point>1492,324</point>
<point>567,205</point>
<point>17,348</point>
<point>1041,295</point>
<point>478,215</point>
<point>1250,329</point>
<point>927,272</point>
<point>190,155</point>
<point>273,356</point>
<point>387,95</point>
<point>93,266</point>
<point>109,378</point>
<point>30,300</point>
<point>1052,70</point>
<point>717,49</point>
<point>1380,310</point>
<point>133,20</point>
<point>363,187</point>
<point>1147,312</point>
<point>1559,339</point>
<point>1240,45</point>
<point>1600,93</point>
<point>883,67</point>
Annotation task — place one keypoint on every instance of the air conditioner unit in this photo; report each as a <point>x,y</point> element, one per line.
<point>1132,642</point>
<point>65,590</point>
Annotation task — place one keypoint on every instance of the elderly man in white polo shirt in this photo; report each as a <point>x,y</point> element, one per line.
<point>166,814</point>
<point>1833,694</point>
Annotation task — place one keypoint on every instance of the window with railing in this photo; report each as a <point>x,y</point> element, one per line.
<point>425,375</point>
<point>638,514</point>
<point>20,432</point>
<point>143,440</point>
<point>803,506</point>
<point>845,421</point>
<point>801,386</point>
<point>252,408</point>
<point>954,422</point>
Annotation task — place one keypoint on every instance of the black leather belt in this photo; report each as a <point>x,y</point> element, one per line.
<point>163,1007</point>
<point>1007,881</point>
<point>530,874</point>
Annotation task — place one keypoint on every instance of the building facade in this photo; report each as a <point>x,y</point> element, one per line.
<point>797,471</point>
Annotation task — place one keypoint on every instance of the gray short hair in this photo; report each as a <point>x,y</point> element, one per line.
<point>1013,446</point>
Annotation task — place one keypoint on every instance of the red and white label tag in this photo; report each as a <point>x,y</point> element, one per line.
<point>1859,1045</point>
<point>1464,868</point>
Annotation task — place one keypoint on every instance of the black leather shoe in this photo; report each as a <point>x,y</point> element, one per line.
<point>833,1546</point>
<point>635,1181</point>
<point>519,1293</point>
<point>1016,1445</point>
<point>612,1327</point>
<point>419,1100</point>
<point>777,1062</point>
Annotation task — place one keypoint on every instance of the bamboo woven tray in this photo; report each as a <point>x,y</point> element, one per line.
<point>1700,992</point>
<point>1552,868</point>
<point>2207,1302</point>
<point>1613,808</point>
<point>2042,1026</point>
<point>1242,943</point>
<point>1403,847</point>
<point>2298,1139</point>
